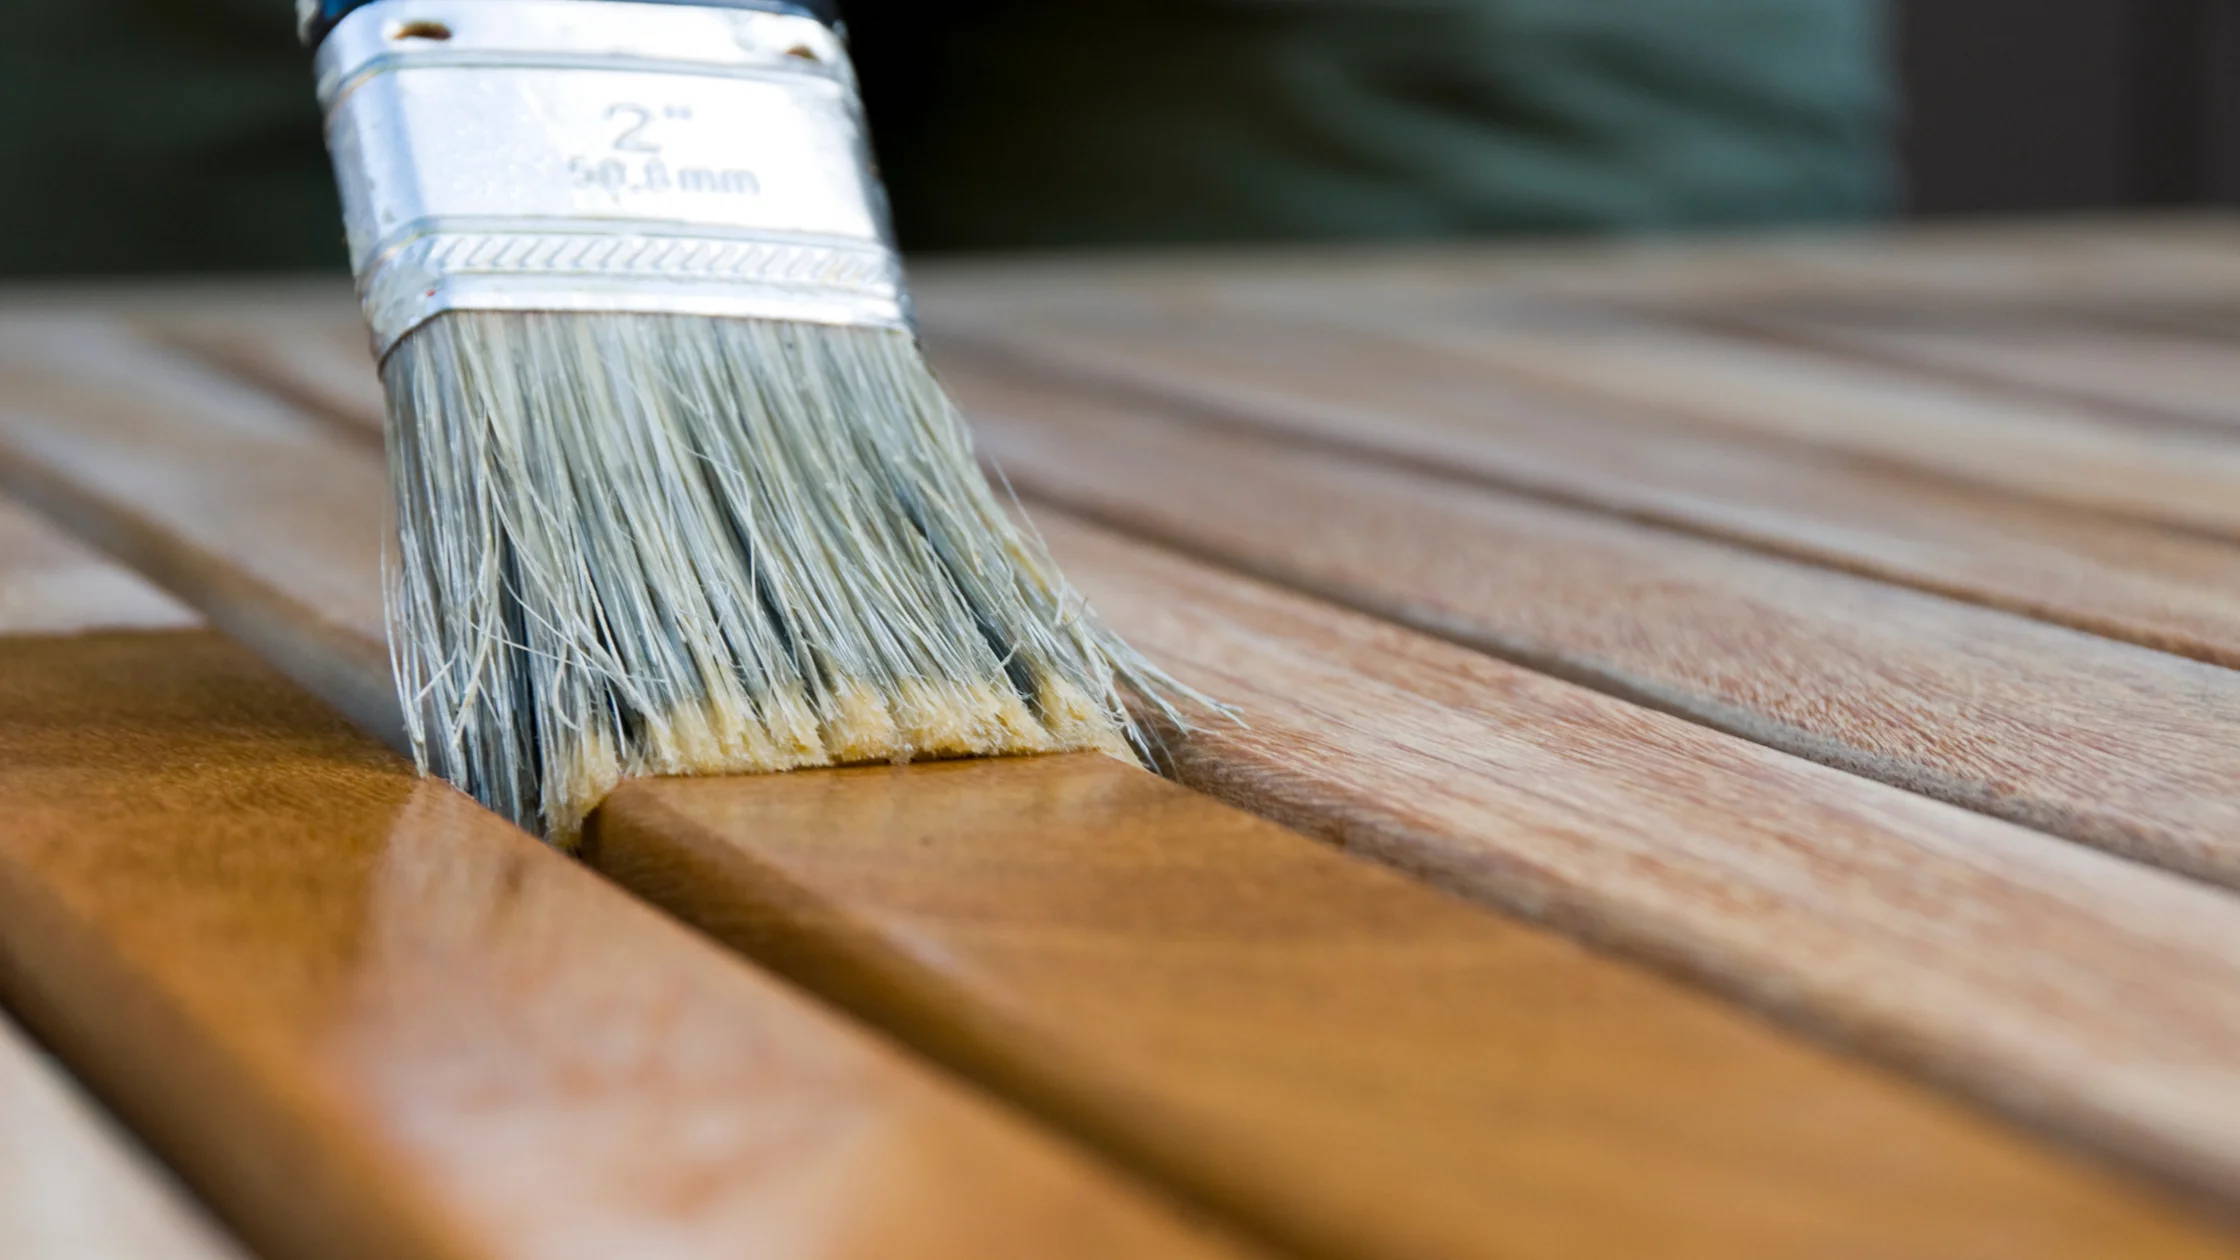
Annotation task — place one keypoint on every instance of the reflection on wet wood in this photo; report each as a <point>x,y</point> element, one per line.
<point>370,1020</point>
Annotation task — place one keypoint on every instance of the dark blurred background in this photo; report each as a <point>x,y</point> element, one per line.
<point>178,135</point>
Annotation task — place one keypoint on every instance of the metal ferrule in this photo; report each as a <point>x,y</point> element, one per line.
<point>603,155</point>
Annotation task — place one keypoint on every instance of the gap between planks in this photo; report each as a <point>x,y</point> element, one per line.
<point>2117,746</point>
<point>1362,1065</point>
<point>74,1187</point>
<point>2178,474</point>
<point>1307,1128</point>
<point>2002,962</point>
<point>1288,1126</point>
<point>368,1019</point>
<point>1434,412</point>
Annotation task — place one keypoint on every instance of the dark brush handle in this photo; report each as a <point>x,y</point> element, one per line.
<point>317,17</point>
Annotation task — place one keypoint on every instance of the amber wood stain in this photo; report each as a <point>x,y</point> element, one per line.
<point>367,1019</point>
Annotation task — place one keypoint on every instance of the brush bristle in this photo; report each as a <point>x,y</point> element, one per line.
<point>657,544</point>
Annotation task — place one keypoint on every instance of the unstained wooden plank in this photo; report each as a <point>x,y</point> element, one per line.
<point>2102,358</point>
<point>2119,746</point>
<point>73,1186</point>
<point>1377,395</point>
<point>2047,448</point>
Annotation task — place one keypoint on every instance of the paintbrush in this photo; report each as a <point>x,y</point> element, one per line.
<point>675,490</point>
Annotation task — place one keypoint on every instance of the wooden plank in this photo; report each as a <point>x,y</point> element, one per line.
<point>2001,960</point>
<point>1726,386</point>
<point>2086,992</point>
<point>319,622</point>
<point>2123,579</point>
<point>1444,413</point>
<point>50,584</point>
<point>368,1019</point>
<point>2123,314</point>
<point>2133,464</point>
<point>72,1186</point>
<point>2159,369</point>
<point>309,350</point>
<point>1363,1065</point>
<point>2133,750</point>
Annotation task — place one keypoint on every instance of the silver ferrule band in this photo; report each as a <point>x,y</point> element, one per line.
<point>603,155</point>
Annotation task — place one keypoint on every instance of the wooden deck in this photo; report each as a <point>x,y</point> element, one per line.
<point>1740,755</point>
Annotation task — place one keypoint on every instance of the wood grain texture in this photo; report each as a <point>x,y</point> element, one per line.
<point>2063,452</point>
<point>1437,410</point>
<point>1357,1063</point>
<point>1390,1138</point>
<point>2087,994</point>
<point>370,1020</point>
<point>2114,577</point>
<point>2130,749</point>
<point>165,463</point>
<point>1721,385</point>
<point>73,1186</point>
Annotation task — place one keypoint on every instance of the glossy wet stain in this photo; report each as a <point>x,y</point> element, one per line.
<point>371,1020</point>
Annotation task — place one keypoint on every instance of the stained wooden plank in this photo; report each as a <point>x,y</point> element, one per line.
<point>72,1183</point>
<point>368,1019</point>
<point>1440,411</point>
<point>73,1186</point>
<point>2010,964</point>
